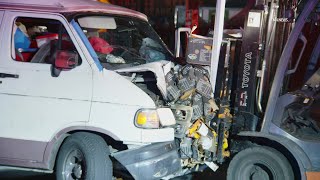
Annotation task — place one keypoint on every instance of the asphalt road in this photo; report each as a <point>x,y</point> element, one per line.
<point>6,174</point>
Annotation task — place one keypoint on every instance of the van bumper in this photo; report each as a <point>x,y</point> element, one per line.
<point>152,161</point>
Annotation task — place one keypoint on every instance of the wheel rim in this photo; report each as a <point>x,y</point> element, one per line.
<point>259,171</point>
<point>74,166</point>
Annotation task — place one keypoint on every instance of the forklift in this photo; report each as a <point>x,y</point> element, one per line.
<point>267,85</point>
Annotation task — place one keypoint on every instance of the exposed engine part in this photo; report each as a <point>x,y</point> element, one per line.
<point>210,109</point>
<point>207,136</point>
<point>173,91</point>
<point>183,116</point>
<point>208,143</point>
<point>204,88</point>
<point>195,109</point>
<point>186,148</point>
<point>190,97</point>
<point>197,106</point>
<point>186,84</point>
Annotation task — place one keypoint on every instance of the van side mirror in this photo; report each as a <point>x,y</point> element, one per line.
<point>64,61</point>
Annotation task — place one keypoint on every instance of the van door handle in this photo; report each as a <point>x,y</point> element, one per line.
<point>5,75</point>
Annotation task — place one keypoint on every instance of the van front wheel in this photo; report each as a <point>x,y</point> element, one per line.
<point>84,156</point>
<point>260,163</point>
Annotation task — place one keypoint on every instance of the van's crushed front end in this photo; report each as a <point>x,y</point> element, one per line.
<point>186,90</point>
<point>130,47</point>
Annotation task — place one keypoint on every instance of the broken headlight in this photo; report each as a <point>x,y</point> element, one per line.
<point>147,118</point>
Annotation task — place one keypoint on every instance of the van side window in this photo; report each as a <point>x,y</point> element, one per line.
<point>37,40</point>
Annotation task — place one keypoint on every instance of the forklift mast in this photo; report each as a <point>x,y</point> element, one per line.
<point>249,74</point>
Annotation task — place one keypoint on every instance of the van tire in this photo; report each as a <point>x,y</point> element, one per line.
<point>84,156</point>
<point>261,163</point>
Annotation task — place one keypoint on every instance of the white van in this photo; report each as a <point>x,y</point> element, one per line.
<point>67,101</point>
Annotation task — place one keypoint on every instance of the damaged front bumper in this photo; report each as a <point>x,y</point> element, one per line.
<point>202,127</point>
<point>152,161</point>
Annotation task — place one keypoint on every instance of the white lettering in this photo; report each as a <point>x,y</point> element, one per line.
<point>246,70</point>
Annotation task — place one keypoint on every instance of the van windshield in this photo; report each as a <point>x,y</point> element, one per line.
<point>123,42</point>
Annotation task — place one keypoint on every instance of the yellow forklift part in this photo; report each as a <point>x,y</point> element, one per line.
<point>193,130</point>
<point>221,116</point>
<point>226,153</point>
<point>225,143</point>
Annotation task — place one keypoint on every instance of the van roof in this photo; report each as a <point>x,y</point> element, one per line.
<point>65,6</point>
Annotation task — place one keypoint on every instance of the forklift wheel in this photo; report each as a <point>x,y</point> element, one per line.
<point>259,163</point>
<point>84,156</point>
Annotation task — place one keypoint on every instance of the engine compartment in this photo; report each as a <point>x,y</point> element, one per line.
<point>190,97</point>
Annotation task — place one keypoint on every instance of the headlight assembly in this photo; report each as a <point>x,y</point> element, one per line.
<point>147,118</point>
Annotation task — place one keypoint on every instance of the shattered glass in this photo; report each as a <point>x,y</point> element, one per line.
<point>126,42</point>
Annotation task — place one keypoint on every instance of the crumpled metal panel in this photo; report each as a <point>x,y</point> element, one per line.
<point>159,68</point>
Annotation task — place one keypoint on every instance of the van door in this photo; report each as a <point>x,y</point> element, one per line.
<point>34,103</point>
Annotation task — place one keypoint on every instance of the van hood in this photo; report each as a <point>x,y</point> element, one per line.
<point>111,87</point>
<point>159,69</point>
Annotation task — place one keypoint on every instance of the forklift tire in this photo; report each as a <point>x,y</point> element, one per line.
<point>84,156</point>
<point>260,163</point>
